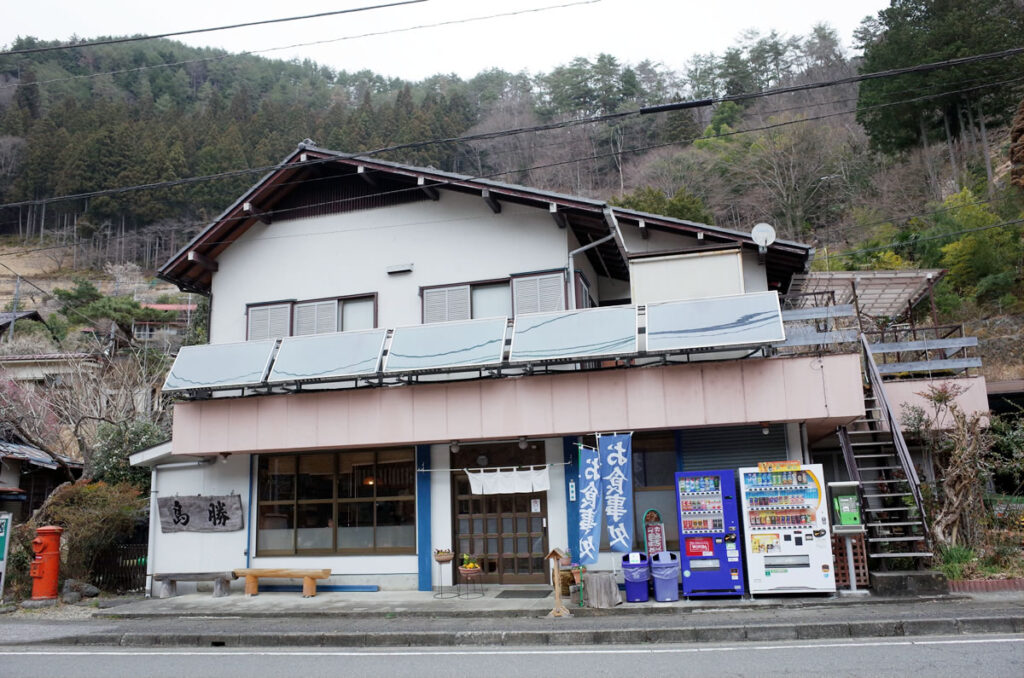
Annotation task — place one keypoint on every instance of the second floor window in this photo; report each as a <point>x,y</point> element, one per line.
<point>285,319</point>
<point>526,294</point>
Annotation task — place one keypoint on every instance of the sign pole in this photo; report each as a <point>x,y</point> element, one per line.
<point>5,538</point>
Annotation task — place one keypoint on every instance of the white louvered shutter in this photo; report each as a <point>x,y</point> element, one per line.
<point>539,293</point>
<point>445,304</point>
<point>315,318</point>
<point>269,322</point>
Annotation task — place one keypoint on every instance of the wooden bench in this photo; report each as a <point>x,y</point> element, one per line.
<point>252,578</point>
<point>168,582</point>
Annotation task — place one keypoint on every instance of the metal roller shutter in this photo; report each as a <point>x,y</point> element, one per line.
<point>733,447</point>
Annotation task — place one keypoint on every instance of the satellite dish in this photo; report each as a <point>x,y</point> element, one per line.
<point>763,234</point>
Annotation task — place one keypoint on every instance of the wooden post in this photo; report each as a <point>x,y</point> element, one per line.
<point>559,610</point>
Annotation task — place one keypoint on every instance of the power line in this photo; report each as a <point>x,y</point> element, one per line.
<point>139,38</point>
<point>371,34</point>
<point>486,136</point>
<point>920,68</point>
<point>940,236</point>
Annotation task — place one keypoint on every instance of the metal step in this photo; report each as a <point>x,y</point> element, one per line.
<point>879,496</point>
<point>888,539</point>
<point>877,455</point>
<point>868,509</point>
<point>894,524</point>
<point>884,482</point>
<point>879,468</point>
<point>914,554</point>
<point>872,443</point>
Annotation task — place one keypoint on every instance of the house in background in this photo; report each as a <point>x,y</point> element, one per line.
<point>165,334</point>
<point>28,476</point>
<point>376,329</point>
<point>9,317</point>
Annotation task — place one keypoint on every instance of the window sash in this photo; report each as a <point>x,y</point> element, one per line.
<point>311,526</point>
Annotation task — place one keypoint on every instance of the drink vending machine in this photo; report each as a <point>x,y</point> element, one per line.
<point>709,535</point>
<point>785,515</point>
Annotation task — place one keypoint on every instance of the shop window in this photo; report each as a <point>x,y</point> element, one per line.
<point>337,502</point>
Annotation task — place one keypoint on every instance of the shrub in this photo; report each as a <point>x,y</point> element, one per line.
<point>95,516</point>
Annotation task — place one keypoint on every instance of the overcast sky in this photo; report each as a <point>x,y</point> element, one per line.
<point>665,31</point>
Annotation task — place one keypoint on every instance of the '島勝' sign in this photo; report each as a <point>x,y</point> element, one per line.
<point>5,534</point>
<point>200,514</point>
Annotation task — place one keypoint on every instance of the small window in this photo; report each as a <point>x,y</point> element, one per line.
<point>269,322</point>
<point>358,314</point>
<point>491,301</point>
<point>539,293</point>
<point>445,304</point>
<point>316,317</point>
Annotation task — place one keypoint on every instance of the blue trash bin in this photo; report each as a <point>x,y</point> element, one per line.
<point>636,575</point>
<point>665,570</point>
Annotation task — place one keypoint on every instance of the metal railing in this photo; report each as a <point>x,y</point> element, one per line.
<point>889,419</point>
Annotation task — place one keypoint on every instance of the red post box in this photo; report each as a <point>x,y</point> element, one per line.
<point>45,567</point>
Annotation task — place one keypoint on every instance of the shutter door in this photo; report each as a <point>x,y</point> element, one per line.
<point>732,447</point>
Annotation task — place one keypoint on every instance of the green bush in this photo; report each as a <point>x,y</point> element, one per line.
<point>955,561</point>
<point>95,516</point>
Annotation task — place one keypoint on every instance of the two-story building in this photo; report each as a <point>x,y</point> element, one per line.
<point>377,329</point>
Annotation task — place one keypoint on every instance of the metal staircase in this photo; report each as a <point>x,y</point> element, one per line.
<point>877,456</point>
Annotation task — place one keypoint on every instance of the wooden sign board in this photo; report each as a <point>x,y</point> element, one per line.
<point>213,513</point>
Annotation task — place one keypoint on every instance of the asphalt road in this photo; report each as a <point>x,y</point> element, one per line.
<point>931,656</point>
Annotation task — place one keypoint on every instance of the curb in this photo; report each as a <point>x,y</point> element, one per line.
<point>623,610</point>
<point>893,628</point>
<point>985,585</point>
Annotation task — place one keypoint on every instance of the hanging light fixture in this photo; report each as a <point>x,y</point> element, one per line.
<point>454,447</point>
<point>523,444</point>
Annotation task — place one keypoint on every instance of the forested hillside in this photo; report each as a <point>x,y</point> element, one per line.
<point>909,170</point>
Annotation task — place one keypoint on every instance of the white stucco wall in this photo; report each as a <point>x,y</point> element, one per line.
<point>454,240</point>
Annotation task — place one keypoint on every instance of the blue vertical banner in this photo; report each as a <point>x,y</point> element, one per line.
<point>590,505</point>
<point>617,486</point>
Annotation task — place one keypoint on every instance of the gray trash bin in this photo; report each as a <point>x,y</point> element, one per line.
<point>665,571</point>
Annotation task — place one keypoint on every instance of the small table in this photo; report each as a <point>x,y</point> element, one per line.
<point>470,585</point>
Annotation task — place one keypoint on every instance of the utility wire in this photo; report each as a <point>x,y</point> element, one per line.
<point>222,57</point>
<point>940,236</point>
<point>139,38</point>
<point>892,72</point>
<point>486,136</point>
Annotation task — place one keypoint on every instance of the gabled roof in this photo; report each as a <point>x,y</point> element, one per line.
<point>192,268</point>
<point>6,317</point>
<point>33,455</point>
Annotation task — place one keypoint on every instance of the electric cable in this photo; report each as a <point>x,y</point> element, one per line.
<point>139,38</point>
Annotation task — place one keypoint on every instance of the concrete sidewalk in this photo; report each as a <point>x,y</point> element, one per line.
<point>417,619</point>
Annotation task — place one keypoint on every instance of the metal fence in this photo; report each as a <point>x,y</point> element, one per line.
<point>121,569</point>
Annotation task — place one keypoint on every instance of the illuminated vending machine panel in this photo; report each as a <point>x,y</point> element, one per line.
<point>786,531</point>
<point>709,536</point>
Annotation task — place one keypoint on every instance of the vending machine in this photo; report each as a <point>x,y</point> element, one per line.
<point>709,535</point>
<point>787,537</point>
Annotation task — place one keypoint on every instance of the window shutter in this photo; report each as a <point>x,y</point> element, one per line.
<point>551,293</point>
<point>259,323</point>
<point>326,317</point>
<point>444,304</point>
<point>458,303</point>
<point>435,305</point>
<point>539,293</point>
<point>278,321</point>
<point>305,319</point>
<point>316,318</point>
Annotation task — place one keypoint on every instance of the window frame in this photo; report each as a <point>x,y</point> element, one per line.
<point>336,501</point>
<point>472,284</point>
<point>291,304</point>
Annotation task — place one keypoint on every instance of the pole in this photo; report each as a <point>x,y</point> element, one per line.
<point>14,314</point>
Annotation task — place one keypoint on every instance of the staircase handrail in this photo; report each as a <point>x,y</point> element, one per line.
<point>851,463</point>
<point>902,452</point>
